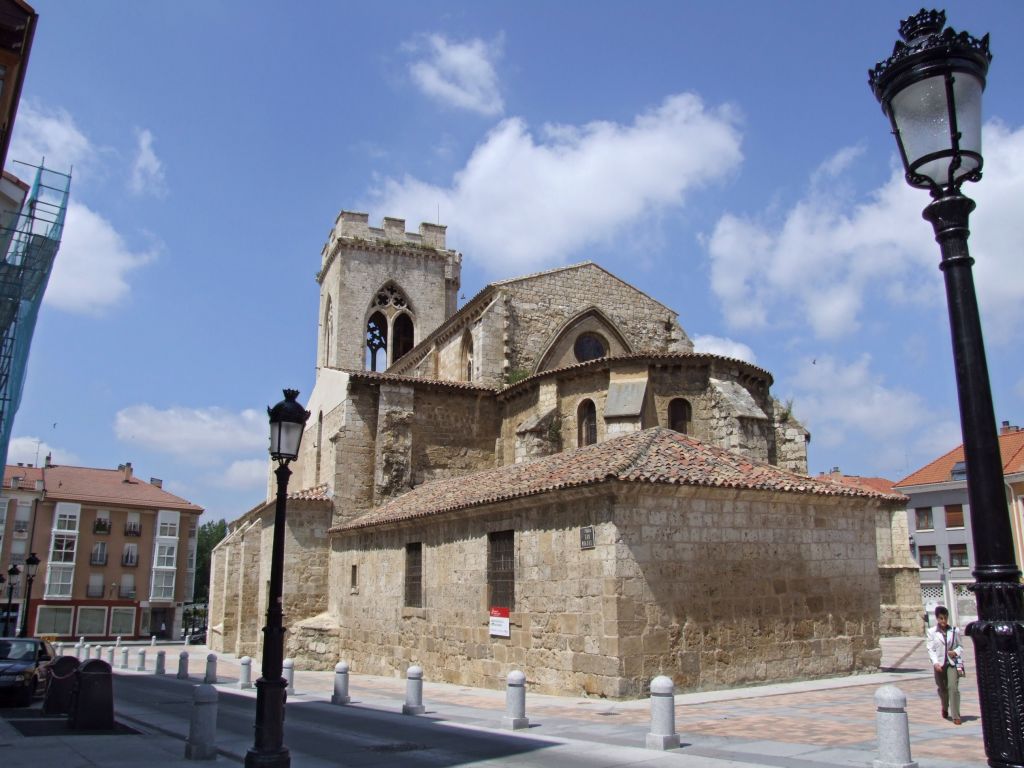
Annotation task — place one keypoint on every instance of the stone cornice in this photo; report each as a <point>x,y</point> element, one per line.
<point>380,246</point>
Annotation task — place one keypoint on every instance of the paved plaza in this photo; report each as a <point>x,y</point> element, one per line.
<point>808,724</point>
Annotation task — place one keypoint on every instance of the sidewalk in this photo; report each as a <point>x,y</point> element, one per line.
<point>796,725</point>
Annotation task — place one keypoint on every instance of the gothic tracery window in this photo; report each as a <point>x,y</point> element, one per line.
<point>377,342</point>
<point>390,330</point>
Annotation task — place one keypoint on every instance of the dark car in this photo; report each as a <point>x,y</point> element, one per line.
<point>197,637</point>
<point>24,667</point>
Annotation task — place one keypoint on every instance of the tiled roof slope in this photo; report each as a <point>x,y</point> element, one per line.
<point>108,486</point>
<point>316,493</point>
<point>879,484</point>
<point>656,456</point>
<point>27,477</point>
<point>1011,446</point>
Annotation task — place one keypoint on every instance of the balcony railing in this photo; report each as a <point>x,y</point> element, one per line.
<point>133,529</point>
<point>97,559</point>
<point>129,561</point>
<point>127,593</point>
<point>101,526</point>
<point>93,591</point>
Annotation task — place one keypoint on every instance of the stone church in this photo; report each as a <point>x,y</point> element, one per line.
<point>549,478</point>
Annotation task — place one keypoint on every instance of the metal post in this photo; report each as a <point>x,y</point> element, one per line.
<point>268,748</point>
<point>998,634</point>
<point>10,604</point>
<point>26,606</point>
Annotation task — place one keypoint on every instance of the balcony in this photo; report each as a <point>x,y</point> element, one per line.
<point>133,529</point>
<point>98,559</point>
<point>129,561</point>
<point>94,591</point>
<point>128,593</point>
<point>101,526</point>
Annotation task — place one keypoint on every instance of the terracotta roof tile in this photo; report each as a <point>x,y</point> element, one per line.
<point>108,486</point>
<point>1011,447</point>
<point>399,379</point>
<point>316,493</point>
<point>656,456</point>
<point>878,484</point>
<point>27,477</point>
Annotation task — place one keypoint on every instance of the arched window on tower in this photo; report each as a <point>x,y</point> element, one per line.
<point>403,334</point>
<point>328,332</point>
<point>586,423</point>
<point>377,342</point>
<point>679,415</point>
<point>467,356</point>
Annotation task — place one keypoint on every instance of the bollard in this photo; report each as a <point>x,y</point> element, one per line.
<point>211,669</point>
<point>245,672</point>
<point>60,649</point>
<point>110,656</point>
<point>288,672</point>
<point>152,641</point>
<point>202,727</point>
<point>124,658</point>
<point>81,640</point>
<point>515,702</point>
<point>893,729</point>
<point>183,665</point>
<point>161,661</point>
<point>78,651</point>
<point>141,665</point>
<point>663,715</point>
<point>97,651</point>
<point>414,692</point>
<point>340,684</point>
<point>117,643</point>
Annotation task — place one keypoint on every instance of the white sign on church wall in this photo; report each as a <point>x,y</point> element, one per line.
<point>499,626</point>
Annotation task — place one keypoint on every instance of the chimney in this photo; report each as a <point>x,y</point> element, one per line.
<point>127,472</point>
<point>835,471</point>
<point>156,482</point>
<point>1006,428</point>
<point>49,460</point>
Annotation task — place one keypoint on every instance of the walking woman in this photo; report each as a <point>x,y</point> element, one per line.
<point>947,657</point>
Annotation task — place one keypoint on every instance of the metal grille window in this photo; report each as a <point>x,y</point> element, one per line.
<point>501,569</point>
<point>414,575</point>
<point>930,592</point>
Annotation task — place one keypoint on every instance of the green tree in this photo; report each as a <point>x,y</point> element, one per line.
<point>210,535</point>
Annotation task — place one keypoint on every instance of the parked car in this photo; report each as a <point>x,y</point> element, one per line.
<point>198,636</point>
<point>24,667</point>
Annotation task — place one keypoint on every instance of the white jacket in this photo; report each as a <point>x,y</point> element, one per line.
<point>940,644</point>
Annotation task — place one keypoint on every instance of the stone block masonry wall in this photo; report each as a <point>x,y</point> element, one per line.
<point>355,452</point>
<point>394,439</point>
<point>453,433</point>
<point>219,576</point>
<point>248,637</point>
<point>899,574</point>
<point>307,553</point>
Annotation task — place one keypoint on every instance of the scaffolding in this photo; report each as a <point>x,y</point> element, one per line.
<point>29,239</point>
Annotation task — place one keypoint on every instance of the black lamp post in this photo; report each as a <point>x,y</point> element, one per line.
<point>930,89</point>
<point>13,576</point>
<point>31,564</point>
<point>287,420</point>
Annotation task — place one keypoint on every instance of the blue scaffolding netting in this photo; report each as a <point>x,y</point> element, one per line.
<point>29,239</point>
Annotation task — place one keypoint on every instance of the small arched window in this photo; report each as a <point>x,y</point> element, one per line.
<point>586,423</point>
<point>404,336</point>
<point>679,414</point>
<point>377,342</point>
<point>589,346</point>
<point>328,332</point>
<point>467,356</point>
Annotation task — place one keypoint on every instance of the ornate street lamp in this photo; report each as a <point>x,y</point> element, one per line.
<point>930,89</point>
<point>31,564</point>
<point>13,576</point>
<point>287,420</point>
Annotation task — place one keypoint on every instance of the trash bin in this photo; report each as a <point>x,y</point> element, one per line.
<point>61,686</point>
<point>92,700</point>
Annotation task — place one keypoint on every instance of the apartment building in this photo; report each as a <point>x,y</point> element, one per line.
<point>117,553</point>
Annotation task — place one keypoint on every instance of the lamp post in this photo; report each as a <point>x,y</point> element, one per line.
<point>930,89</point>
<point>287,420</point>
<point>31,564</point>
<point>13,576</point>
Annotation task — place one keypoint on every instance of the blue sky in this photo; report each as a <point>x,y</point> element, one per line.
<point>726,157</point>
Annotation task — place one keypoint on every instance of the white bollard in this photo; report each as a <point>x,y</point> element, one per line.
<point>161,661</point>
<point>245,672</point>
<point>211,669</point>
<point>202,727</point>
<point>893,729</point>
<point>97,651</point>
<point>414,692</point>
<point>515,702</point>
<point>288,672</point>
<point>663,715</point>
<point>117,643</point>
<point>81,640</point>
<point>152,641</point>
<point>124,658</point>
<point>110,656</point>
<point>340,684</point>
<point>183,665</point>
<point>78,651</point>
<point>141,665</point>
<point>60,649</point>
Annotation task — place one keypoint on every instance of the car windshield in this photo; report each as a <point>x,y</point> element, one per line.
<point>17,650</point>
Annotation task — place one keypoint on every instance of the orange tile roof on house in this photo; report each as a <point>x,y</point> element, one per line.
<point>27,477</point>
<point>1011,447</point>
<point>879,484</point>
<point>657,456</point>
<point>109,486</point>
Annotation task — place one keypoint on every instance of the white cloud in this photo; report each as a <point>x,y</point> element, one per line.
<point>92,265</point>
<point>34,450</point>
<point>147,170</point>
<point>827,256</point>
<point>243,475</point>
<point>522,202</point>
<point>193,434</point>
<point>51,134</point>
<point>717,345</point>
<point>459,74</point>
